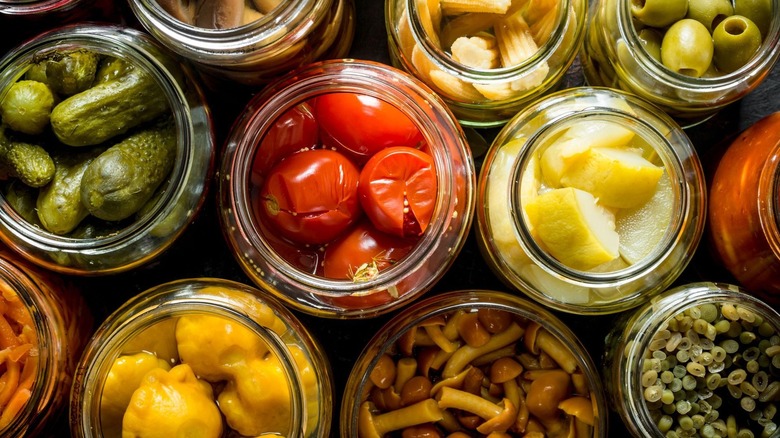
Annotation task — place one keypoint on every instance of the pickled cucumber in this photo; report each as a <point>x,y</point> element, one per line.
<point>123,178</point>
<point>22,198</point>
<point>28,162</point>
<point>66,72</point>
<point>26,106</point>
<point>108,109</point>
<point>59,203</point>
<point>111,68</point>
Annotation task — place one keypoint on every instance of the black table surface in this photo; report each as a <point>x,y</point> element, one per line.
<point>202,251</point>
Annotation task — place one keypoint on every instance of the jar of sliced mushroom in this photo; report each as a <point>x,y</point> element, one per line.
<point>249,42</point>
<point>702,359</point>
<point>474,364</point>
<point>487,58</point>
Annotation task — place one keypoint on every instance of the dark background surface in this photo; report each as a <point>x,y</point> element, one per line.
<point>202,251</point>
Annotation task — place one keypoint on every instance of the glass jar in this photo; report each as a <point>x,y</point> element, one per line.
<point>445,343</point>
<point>54,325</point>
<point>503,79</point>
<point>743,210</point>
<point>641,346</point>
<point>383,281</point>
<point>619,240</point>
<point>614,55</point>
<point>292,34</point>
<point>217,331</point>
<point>91,245</point>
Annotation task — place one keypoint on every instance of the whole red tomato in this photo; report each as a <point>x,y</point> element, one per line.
<point>293,131</point>
<point>398,190</point>
<point>363,124</point>
<point>310,197</point>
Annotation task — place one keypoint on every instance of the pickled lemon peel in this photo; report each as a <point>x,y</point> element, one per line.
<point>595,198</point>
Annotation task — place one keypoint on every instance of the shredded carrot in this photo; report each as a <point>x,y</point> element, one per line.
<point>14,406</point>
<point>18,355</point>
<point>11,378</point>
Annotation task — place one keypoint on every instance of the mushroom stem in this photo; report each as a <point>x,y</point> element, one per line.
<point>376,426</point>
<point>556,350</point>
<point>451,398</point>
<point>404,370</point>
<point>466,353</point>
<point>436,335</point>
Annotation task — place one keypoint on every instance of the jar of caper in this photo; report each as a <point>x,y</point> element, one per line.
<point>690,57</point>
<point>702,359</point>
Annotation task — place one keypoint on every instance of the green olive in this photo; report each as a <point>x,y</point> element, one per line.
<point>687,48</point>
<point>651,41</point>
<point>736,40</point>
<point>758,11</point>
<point>658,13</point>
<point>709,12</point>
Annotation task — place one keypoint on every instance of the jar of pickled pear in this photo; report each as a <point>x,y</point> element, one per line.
<point>250,42</point>
<point>486,58</point>
<point>702,359</point>
<point>591,201</point>
<point>691,58</point>
<point>743,229</point>
<point>203,355</point>
<point>108,149</point>
<point>474,363</point>
<point>44,326</point>
<point>346,189</point>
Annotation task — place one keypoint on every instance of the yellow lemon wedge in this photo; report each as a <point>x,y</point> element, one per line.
<point>619,178</point>
<point>641,228</point>
<point>574,228</point>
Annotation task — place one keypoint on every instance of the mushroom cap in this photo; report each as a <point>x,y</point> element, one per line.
<point>501,422</point>
<point>505,369</point>
<point>472,331</point>
<point>580,408</point>
<point>529,338</point>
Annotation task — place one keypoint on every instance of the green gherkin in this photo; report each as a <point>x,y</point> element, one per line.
<point>30,163</point>
<point>66,72</point>
<point>26,106</point>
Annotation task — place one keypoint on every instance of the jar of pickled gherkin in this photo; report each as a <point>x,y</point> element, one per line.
<point>109,149</point>
<point>252,42</point>
<point>478,363</point>
<point>689,60</point>
<point>346,189</point>
<point>45,326</point>
<point>486,59</point>
<point>203,355</point>
<point>590,201</point>
<point>700,359</point>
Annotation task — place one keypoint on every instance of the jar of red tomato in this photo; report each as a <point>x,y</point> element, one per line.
<point>44,326</point>
<point>744,209</point>
<point>202,357</point>
<point>346,188</point>
<point>250,42</point>
<point>474,363</point>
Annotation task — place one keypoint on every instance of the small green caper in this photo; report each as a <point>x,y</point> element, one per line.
<point>736,40</point>
<point>687,48</point>
<point>658,13</point>
<point>709,12</point>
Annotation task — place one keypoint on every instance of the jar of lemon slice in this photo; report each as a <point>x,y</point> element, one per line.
<point>590,201</point>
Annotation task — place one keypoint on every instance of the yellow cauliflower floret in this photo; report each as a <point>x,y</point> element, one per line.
<point>172,404</point>
<point>158,339</point>
<point>213,346</point>
<point>254,307</point>
<point>124,377</point>
<point>257,399</point>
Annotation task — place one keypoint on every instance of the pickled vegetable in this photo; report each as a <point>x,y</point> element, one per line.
<point>66,72</point>
<point>27,106</point>
<point>30,163</point>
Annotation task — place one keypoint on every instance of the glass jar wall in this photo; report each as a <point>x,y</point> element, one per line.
<point>252,46</point>
<point>294,214</point>
<point>206,355</point>
<point>621,52</point>
<point>591,201</point>
<point>111,155</point>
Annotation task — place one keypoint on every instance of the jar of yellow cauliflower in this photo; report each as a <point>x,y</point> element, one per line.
<point>590,201</point>
<point>486,58</point>
<point>206,355</point>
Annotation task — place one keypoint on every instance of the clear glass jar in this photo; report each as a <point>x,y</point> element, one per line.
<point>654,236</point>
<point>292,34</point>
<point>387,374</point>
<point>227,334</point>
<point>485,95</point>
<point>743,211</point>
<point>59,327</point>
<point>629,365</point>
<point>614,56</point>
<point>296,278</point>
<point>108,246</point>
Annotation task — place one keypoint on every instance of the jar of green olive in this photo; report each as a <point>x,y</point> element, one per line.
<point>701,359</point>
<point>486,59</point>
<point>689,58</point>
<point>474,363</point>
<point>253,42</point>
<point>108,147</point>
<point>203,357</point>
<point>590,201</point>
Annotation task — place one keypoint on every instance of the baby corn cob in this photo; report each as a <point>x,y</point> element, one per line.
<point>426,19</point>
<point>466,25</point>
<point>477,51</point>
<point>542,28</point>
<point>514,40</point>
<point>455,88</point>
<point>455,7</point>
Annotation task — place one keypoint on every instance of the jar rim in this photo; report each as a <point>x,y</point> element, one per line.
<point>769,198</point>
